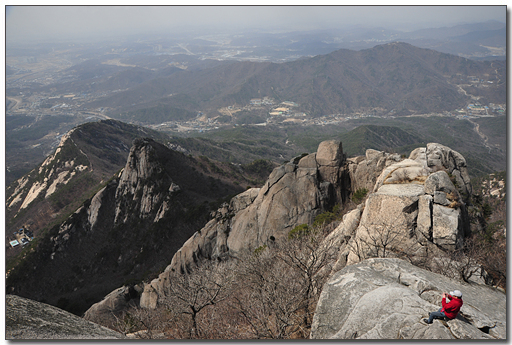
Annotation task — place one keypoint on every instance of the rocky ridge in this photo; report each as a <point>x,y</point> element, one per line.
<point>57,169</point>
<point>414,207</point>
<point>149,208</point>
<point>86,157</point>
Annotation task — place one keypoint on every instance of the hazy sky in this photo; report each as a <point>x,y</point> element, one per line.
<point>53,22</point>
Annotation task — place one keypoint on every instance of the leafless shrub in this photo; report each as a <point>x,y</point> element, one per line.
<point>281,285</point>
<point>475,259</point>
<point>142,323</point>
<point>188,294</point>
<point>270,293</point>
<point>378,240</point>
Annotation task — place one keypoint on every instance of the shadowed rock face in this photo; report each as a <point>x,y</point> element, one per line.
<point>388,298</point>
<point>28,319</point>
<point>131,226</point>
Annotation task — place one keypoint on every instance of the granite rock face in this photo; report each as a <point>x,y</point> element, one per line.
<point>388,298</point>
<point>411,206</point>
<point>364,170</point>
<point>295,193</point>
<point>414,203</point>
<point>28,319</point>
<point>441,157</point>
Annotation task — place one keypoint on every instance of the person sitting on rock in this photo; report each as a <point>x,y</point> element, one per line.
<point>449,309</point>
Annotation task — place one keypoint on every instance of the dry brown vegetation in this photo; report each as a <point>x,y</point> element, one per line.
<point>269,293</point>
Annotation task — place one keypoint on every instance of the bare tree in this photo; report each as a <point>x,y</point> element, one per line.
<point>312,258</point>
<point>269,295</point>
<point>378,240</point>
<point>280,285</point>
<point>142,323</point>
<point>190,293</point>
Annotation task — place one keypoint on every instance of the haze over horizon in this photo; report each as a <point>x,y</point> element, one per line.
<point>54,23</point>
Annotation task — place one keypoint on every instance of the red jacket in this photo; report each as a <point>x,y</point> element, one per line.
<point>451,309</point>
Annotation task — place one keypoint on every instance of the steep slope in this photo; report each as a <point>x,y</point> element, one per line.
<point>27,319</point>
<point>86,157</point>
<point>414,206</point>
<point>126,232</point>
<point>388,298</point>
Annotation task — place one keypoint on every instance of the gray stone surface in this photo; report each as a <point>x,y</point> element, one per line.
<point>439,182</point>
<point>28,319</point>
<point>424,221</point>
<point>293,194</point>
<point>338,238</point>
<point>446,227</point>
<point>442,157</point>
<point>388,298</point>
<point>404,172</point>
<point>115,302</point>
<point>329,158</point>
<point>364,172</point>
<point>384,226</point>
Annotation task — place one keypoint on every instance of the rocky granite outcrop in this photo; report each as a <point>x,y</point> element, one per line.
<point>295,193</point>
<point>28,319</point>
<point>57,169</point>
<point>414,206</point>
<point>364,170</point>
<point>114,303</point>
<point>388,298</point>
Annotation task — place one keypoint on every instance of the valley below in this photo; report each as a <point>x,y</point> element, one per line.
<point>257,186</point>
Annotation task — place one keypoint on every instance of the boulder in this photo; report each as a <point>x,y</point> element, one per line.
<point>28,319</point>
<point>364,171</point>
<point>384,226</point>
<point>114,303</point>
<point>419,154</point>
<point>388,298</point>
<point>409,208</point>
<point>440,157</point>
<point>439,182</point>
<point>447,229</point>
<point>329,158</point>
<point>339,237</point>
<point>404,172</point>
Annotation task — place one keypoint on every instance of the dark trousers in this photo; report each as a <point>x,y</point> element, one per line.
<point>436,315</point>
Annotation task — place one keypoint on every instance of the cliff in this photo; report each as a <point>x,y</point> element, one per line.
<point>414,208</point>
<point>126,231</point>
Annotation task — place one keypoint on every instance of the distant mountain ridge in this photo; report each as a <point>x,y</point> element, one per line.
<point>396,77</point>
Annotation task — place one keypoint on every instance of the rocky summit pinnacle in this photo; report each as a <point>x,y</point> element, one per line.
<point>413,203</point>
